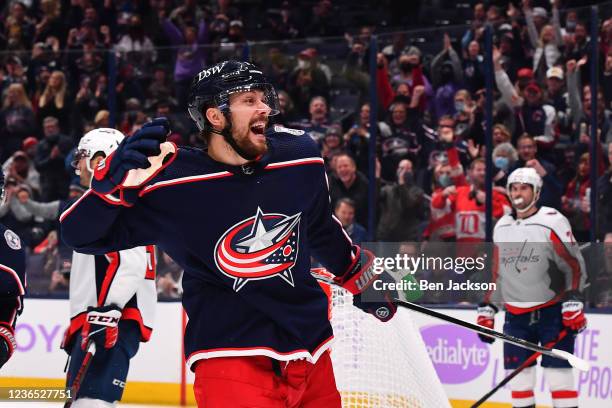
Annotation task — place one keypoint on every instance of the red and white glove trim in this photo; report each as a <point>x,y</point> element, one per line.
<point>109,319</point>
<point>573,315</point>
<point>9,336</point>
<point>486,315</point>
<point>360,274</point>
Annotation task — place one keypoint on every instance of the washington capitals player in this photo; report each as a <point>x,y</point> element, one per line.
<point>242,218</point>
<point>540,274</point>
<point>12,284</point>
<point>112,299</point>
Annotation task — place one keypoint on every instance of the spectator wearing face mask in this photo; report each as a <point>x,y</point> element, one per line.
<point>410,73</point>
<point>468,119</point>
<point>447,73</point>
<point>402,207</point>
<point>504,157</point>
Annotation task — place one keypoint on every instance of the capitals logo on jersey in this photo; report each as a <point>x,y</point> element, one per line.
<point>260,247</point>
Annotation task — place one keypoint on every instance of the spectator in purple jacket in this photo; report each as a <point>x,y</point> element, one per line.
<point>190,56</point>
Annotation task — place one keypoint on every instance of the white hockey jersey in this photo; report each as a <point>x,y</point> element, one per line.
<point>536,261</point>
<point>125,278</point>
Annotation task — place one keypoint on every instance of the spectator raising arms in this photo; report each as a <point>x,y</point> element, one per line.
<point>190,56</point>
<point>54,101</point>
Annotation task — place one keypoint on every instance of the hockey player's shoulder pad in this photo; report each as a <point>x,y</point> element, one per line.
<point>556,221</point>
<point>504,221</point>
<point>291,144</point>
<point>12,263</point>
<point>551,217</point>
<point>549,212</point>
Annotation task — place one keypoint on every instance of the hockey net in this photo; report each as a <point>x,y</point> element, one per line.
<point>381,365</point>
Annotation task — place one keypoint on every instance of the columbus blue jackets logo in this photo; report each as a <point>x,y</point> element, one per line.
<point>12,240</point>
<point>263,246</point>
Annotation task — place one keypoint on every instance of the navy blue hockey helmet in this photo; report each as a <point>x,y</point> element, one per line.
<point>213,86</point>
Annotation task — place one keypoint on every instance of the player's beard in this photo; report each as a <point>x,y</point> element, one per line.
<point>250,147</point>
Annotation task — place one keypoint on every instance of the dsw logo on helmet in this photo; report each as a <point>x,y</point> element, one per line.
<point>211,71</point>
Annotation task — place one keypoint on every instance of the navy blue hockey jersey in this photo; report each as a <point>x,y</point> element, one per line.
<point>12,276</point>
<point>244,235</point>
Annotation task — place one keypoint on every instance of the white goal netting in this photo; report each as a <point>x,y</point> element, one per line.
<point>381,365</point>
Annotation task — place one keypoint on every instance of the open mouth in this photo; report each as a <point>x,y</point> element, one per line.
<point>258,128</point>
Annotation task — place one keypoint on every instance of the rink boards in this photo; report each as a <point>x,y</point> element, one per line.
<point>466,367</point>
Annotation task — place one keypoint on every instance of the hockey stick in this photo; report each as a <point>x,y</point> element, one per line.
<point>573,360</point>
<point>80,375</point>
<point>520,368</point>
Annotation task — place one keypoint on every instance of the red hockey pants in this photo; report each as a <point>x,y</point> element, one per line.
<point>241,382</point>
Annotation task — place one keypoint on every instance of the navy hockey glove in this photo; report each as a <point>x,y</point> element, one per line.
<point>359,280</point>
<point>101,326</point>
<point>132,153</point>
<point>486,318</point>
<point>7,343</point>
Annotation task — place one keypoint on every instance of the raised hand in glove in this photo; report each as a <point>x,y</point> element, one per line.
<point>572,311</point>
<point>486,318</point>
<point>359,280</point>
<point>101,326</point>
<point>132,153</point>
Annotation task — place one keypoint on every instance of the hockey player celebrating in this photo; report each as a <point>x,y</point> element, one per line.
<point>112,299</point>
<point>12,285</point>
<point>242,218</point>
<point>540,274</point>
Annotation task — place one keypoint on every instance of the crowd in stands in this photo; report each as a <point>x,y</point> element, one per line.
<point>56,84</point>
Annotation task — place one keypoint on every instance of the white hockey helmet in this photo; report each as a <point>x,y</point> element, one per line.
<point>102,140</point>
<point>525,175</point>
